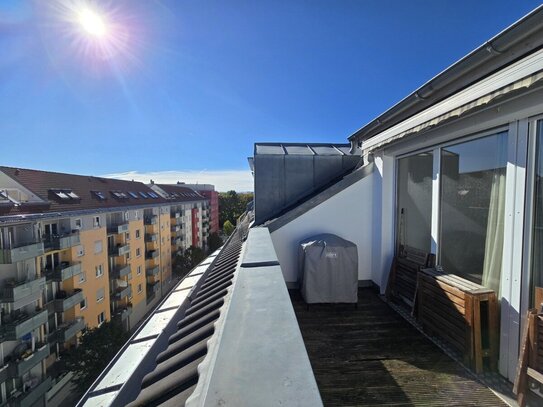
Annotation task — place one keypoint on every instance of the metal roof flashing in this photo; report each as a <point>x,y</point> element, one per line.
<point>516,41</point>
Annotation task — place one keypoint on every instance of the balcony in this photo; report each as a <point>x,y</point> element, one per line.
<point>177,242</point>
<point>15,326</point>
<point>20,252</point>
<point>117,229</point>
<point>65,301</point>
<point>31,396</point>
<point>153,288</point>
<point>14,291</point>
<point>151,254</point>
<point>122,292</point>
<point>119,250</point>
<point>150,220</point>
<point>176,228</point>
<point>176,215</point>
<point>68,330</point>
<point>60,242</point>
<point>151,272</point>
<point>151,237</point>
<point>63,272</point>
<point>26,362</point>
<point>121,271</point>
<point>124,312</point>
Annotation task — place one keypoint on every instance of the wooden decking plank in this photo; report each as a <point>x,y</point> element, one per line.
<point>372,356</point>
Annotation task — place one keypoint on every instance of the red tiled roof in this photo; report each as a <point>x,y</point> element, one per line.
<point>42,182</point>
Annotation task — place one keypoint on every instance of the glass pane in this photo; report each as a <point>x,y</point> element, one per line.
<point>473,209</point>
<point>537,242</point>
<point>415,201</point>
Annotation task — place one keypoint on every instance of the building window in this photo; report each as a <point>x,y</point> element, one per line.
<point>96,222</point>
<point>473,209</point>
<point>138,252</point>
<point>77,224</point>
<point>99,271</point>
<point>128,256</point>
<point>127,236</point>
<point>98,247</point>
<point>414,216</point>
<point>138,234</point>
<point>82,277</point>
<point>140,289</point>
<point>138,272</point>
<point>80,251</point>
<point>136,215</point>
<point>83,304</point>
<point>126,215</point>
<point>101,318</point>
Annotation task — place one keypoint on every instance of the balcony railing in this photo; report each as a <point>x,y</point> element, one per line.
<point>121,271</point>
<point>63,272</point>
<point>124,312</point>
<point>15,326</point>
<point>61,242</point>
<point>152,254</point>
<point>122,292</point>
<point>155,271</point>
<point>151,220</point>
<point>14,291</point>
<point>31,396</point>
<point>153,288</point>
<point>151,237</point>
<point>20,252</point>
<point>17,368</point>
<point>70,329</point>
<point>119,250</point>
<point>117,229</point>
<point>65,301</point>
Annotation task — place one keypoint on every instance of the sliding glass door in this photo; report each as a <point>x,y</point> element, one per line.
<point>415,201</point>
<point>473,209</point>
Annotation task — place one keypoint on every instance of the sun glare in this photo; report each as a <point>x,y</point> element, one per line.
<point>92,23</point>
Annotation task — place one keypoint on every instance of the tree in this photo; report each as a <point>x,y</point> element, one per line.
<point>186,261</point>
<point>96,349</point>
<point>232,205</point>
<point>228,228</point>
<point>214,242</point>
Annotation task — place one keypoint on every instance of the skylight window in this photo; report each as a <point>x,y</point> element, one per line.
<point>153,195</point>
<point>100,195</point>
<point>64,194</point>
<point>119,194</point>
<point>143,194</point>
<point>133,195</point>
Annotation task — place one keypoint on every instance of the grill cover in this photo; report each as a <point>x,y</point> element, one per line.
<point>328,269</point>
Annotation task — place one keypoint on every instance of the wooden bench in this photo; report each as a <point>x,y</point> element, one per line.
<point>402,281</point>
<point>463,313</point>
<point>529,377</point>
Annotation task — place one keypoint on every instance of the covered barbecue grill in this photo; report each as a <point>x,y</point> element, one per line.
<point>328,269</point>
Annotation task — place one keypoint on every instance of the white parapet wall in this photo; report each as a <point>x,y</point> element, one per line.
<point>346,212</point>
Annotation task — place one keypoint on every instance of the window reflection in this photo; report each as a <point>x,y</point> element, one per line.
<point>473,209</point>
<point>415,201</point>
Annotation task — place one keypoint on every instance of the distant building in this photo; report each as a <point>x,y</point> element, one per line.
<point>209,192</point>
<point>195,209</point>
<point>76,251</point>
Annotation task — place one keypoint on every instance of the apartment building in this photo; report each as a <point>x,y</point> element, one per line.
<point>76,251</point>
<point>190,215</point>
<point>208,191</point>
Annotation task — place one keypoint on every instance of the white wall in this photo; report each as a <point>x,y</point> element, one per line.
<point>347,214</point>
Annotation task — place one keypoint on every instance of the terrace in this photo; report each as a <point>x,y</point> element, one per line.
<point>329,354</point>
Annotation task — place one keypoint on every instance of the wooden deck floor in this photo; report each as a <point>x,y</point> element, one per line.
<point>372,356</point>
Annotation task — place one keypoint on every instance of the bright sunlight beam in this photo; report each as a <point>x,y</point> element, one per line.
<point>92,23</point>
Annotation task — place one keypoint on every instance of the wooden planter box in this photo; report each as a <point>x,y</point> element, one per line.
<point>461,312</point>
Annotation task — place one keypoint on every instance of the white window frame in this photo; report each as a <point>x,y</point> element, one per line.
<point>85,306</point>
<point>99,271</point>
<point>78,224</point>
<point>101,318</point>
<point>96,222</point>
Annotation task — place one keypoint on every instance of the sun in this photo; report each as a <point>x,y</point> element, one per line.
<point>93,23</point>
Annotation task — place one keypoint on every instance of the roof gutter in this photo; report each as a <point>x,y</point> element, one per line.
<point>519,39</point>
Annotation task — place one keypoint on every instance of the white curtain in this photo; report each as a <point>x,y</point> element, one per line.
<point>492,266</point>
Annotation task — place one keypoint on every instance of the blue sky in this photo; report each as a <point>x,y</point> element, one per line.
<point>193,84</point>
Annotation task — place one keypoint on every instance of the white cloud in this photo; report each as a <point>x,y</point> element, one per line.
<point>226,180</point>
